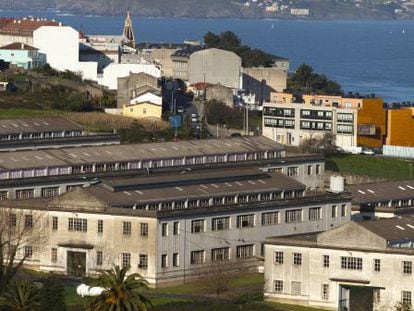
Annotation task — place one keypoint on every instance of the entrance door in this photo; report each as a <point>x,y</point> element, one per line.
<point>356,298</point>
<point>76,263</point>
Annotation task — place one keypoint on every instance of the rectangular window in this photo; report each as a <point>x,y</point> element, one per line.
<point>377,265</point>
<point>143,261</point>
<point>343,210</point>
<point>197,257</point>
<point>271,218</point>
<point>55,223</point>
<point>78,224</point>
<point>351,263</point>
<point>334,211</point>
<point>294,215</point>
<point>293,171</point>
<point>245,221</point>
<point>279,258</point>
<point>222,223</point>
<point>315,213</point>
<point>100,226</point>
<point>28,221</point>
<point>28,251</point>
<point>245,251</point>
<point>297,259</point>
<point>176,260</point>
<point>176,228</point>
<point>164,229</point>
<point>99,258</point>
<point>407,267</point>
<point>49,192</point>
<point>25,194</point>
<point>278,286</point>
<point>220,254</point>
<point>126,228</point>
<point>309,170</point>
<point>143,229</point>
<point>197,226</point>
<point>13,220</point>
<point>406,297</point>
<point>296,288</point>
<point>126,259</point>
<point>318,169</point>
<point>4,195</point>
<point>53,255</point>
<point>325,292</point>
<point>325,261</point>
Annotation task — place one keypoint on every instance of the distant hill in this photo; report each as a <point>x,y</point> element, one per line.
<point>282,9</point>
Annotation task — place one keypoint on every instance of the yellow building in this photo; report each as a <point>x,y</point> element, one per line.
<point>371,123</point>
<point>142,110</point>
<point>400,127</point>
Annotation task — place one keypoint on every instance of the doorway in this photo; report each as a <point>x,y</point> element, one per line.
<point>76,263</point>
<point>356,298</point>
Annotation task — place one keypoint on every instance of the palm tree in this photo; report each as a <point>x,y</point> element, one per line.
<point>21,296</point>
<point>122,292</point>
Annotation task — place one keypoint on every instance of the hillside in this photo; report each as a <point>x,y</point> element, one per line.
<point>282,9</point>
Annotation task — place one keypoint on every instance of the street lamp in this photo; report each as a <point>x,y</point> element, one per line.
<point>172,100</point>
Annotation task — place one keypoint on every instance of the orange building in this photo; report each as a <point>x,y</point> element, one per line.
<point>371,123</point>
<point>400,127</point>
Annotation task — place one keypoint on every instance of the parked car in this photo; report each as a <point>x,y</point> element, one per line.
<point>180,109</point>
<point>236,134</point>
<point>367,151</point>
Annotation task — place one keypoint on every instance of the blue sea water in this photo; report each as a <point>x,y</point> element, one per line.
<point>363,56</point>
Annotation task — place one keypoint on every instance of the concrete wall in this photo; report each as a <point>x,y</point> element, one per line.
<point>163,58</point>
<point>220,93</point>
<point>400,126</point>
<point>216,67</point>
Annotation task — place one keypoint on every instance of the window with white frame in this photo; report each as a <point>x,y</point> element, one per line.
<point>297,259</point>
<point>126,228</point>
<point>176,260</point>
<point>100,226</point>
<point>143,229</point>
<point>221,223</point>
<point>351,263</point>
<point>197,226</point>
<point>126,259</point>
<point>315,213</point>
<point>334,211</point>
<point>164,260</point>
<point>278,286</point>
<point>279,258</point>
<point>343,210</point>
<point>245,221</point>
<point>325,259</point>
<point>220,254</point>
<point>143,261</point>
<point>325,291</point>
<point>49,192</point>
<point>28,251</point>
<point>271,218</point>
<point>406,297</point>
<point>293,171</point>
<point>197,257</point>
<point>78,224</point>
<point>407,267</point>
<point>28,221</point>
<point>53,255</point>
<point>164,229</point>
<point>294,215</point>
<point>99,258</point>
<point>245,251</point>
<point>377,265</point>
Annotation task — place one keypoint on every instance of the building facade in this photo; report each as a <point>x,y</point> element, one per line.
<point>22,55</point>
<point>133,85</point>
<point>339,270</point>
<point>142,109</point>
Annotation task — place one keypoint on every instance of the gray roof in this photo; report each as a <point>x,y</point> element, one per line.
<point>120,153</point>
<point>37,125</point>
<point>382,191</point>
<point>186,52</point>
<point>391,229</point>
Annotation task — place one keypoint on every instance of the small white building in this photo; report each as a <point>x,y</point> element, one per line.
<point>147,97</point>
<point>359,266</point>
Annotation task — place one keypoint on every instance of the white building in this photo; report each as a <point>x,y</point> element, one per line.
<point>147,97</point>
<point>359,266</point>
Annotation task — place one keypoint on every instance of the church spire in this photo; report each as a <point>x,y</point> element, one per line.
<point>129,31</point>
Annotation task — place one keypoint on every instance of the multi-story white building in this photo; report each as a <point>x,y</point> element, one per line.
<point>359,266</point>
<point>170,227</point>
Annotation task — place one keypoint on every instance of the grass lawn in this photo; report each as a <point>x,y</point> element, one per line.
<point>15,113</point>
<point>380,167</point>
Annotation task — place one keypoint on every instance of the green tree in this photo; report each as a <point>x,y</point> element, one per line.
<point>211,40</point>
<point>122,292</point>
<point>52,296</point>
<point>21,295</point>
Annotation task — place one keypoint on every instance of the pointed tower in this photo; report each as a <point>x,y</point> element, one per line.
<point>129,31</point>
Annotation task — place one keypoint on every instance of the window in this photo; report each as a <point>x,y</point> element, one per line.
<point>176,260</point>
<point>143,261</point>
<point>351,263</point>
<point>13,220</point>
<point>126,259</point>
<point>407,267</point>
<point>294,215</point>
<point>245,251</point>
<point>126,227</point>
<point>343,210</point>
<point>164,229</point>
<point>4,195</point>
<point>176,228</point>
<point>309,170</point>
<point>377,265</point>
<point>28,221</point>
<point>99,258</point>
<point>325,261</point>
<point>279,258</point>
<point>377,295</point>
<point>197,257</point>
<point>78,224</point>
<point>325,292</point>
<point>50,192</point>
<point>143,229</point>
<point>270,218</point>
<point>318,169</point>
<point>28,251</point>
<point>293,171</point>
<point>334,211</point>
<point>55,223</point>
<point>197,226</point>
<point>222,223</point>
<point>406,297</point>
<point>245,221</point>
<point>296,288</point>
<point>278,286</point>
<point>53,255</point>
<point>297,259</point>
<point>315,213</point>
<point>100,226</point>
<point>220,254</point>
<point>25,194</point>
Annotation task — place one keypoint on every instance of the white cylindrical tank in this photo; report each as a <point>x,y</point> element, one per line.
<point>85,290</point>
<point>337,184</point>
